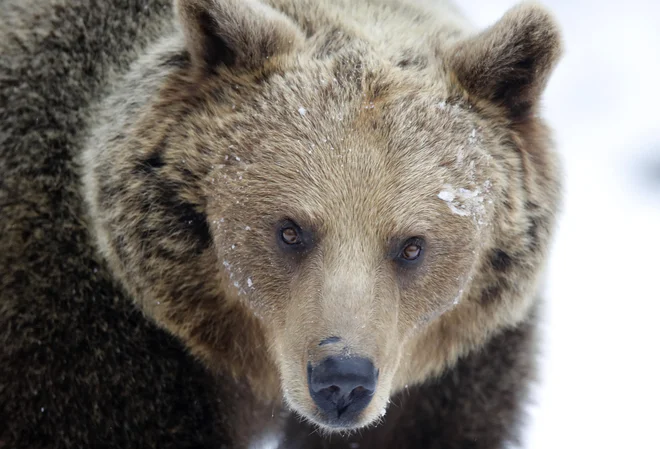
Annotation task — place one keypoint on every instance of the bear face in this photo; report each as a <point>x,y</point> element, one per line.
<point>329,227</point>
<point>343,209</point>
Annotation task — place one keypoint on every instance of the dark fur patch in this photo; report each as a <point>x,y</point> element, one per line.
<point>216,50</point>
<point>180,60</point>
<point>403,63</point>
<point>196,223</point>
<point>533,234</point>
<point>262,77</point>
<point>490,294</point>
<point>167,216</point>
<point>411,60</point>
<point>536,225</point>
<point>188,176</point>
<point>149,165</point>
<point>187,217</point>
<point>500,260</point>
<point>154,160</point>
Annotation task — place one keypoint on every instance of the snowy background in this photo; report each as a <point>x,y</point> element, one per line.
<point>601,372</point>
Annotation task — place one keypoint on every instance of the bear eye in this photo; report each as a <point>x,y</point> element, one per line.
<point>290,234</point>
<point>412,250</point>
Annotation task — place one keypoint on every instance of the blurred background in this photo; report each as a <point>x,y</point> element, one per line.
<point>601,367</point>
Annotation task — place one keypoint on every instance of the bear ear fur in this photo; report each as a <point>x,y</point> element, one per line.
<point>509,63</point>
<point>234,33</point>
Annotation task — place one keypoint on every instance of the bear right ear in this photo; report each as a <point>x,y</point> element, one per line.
<point>234,33</point>
<point>509,63</point>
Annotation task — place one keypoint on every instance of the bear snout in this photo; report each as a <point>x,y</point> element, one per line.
<point>342,387</point>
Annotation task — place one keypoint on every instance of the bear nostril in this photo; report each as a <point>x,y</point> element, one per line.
<point>342,387</point>
<point>329,393</point>
<point>359,392</point>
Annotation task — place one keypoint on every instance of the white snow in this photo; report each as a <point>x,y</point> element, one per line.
<point>463,202</point>
<point>446,195</point>
<point>302,111</point>
<point>600,371</point>
<point>472,139</point>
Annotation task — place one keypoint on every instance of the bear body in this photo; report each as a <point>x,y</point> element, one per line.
<point>235,223</point>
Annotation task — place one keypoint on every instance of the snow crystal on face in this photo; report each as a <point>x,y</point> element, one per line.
<point>464,202</point>
<point>472,139</point>
<point>458,209</point>
<point>458,297</point>
<point>249,282</point>
<point>302,111</point>
<point>247,228</point>
<point>465,193</point>
<point>446,195</point>
<point>442,105</point>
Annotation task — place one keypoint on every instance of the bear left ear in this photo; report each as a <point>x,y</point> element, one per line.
<point>509,64</point>
<point>234,33</point>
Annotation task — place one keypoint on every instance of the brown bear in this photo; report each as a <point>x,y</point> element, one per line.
<point>332,215</point>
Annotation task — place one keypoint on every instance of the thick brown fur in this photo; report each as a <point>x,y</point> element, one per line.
<point>191,132</point>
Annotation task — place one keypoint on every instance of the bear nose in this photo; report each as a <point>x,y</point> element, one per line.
<point>342,387</point>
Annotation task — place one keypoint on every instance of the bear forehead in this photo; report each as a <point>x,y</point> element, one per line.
<point>327,140</point>
<point>351,181</point>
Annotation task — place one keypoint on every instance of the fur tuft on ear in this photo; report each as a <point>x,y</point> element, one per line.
<point>509,63</point>
<point>234,33</point>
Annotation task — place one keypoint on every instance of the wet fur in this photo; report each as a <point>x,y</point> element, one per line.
<point>72,342</point>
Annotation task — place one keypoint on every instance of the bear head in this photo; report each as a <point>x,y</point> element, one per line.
<point>319,221</point>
